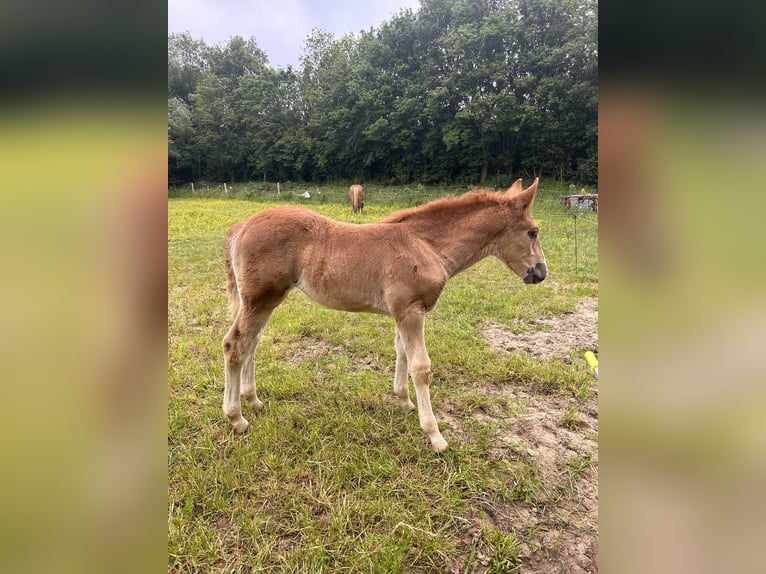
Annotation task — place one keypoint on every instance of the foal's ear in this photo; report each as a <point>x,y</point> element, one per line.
<point>527,197</point>
<point>515,188</point>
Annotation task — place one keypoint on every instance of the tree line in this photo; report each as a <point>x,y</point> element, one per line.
<point>459,91</point>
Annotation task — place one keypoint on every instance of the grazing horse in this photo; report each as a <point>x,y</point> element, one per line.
<point>396,267</point>
<point>356,195</point>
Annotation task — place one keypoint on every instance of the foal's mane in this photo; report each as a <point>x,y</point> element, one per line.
<point>468,200</point>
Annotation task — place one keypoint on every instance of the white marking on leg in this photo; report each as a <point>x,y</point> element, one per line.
<point>232,353</point>
<point>412,332</point>
<point>247,381</point>
<point>421,375</point>
<point>401,388</point>
<point>232,407</point>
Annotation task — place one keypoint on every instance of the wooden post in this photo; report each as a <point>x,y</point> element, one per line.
<point>225,189</point>
<point>277,188</point>
<point>575,239</point>
<point>192,184</point>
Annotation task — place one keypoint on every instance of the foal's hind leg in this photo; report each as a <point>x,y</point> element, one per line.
<point>238,351</point>
<point>411,328</point>
<point>401,387</point>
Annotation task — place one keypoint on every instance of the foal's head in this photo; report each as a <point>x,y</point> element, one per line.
<point>519,247</point>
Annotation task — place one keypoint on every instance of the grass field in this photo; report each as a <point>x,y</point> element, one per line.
<point>333,476</point>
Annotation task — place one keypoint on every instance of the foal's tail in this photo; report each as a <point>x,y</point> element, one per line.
<point>231,279</point>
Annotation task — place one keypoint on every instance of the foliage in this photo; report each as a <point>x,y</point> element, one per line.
<point>459,91</point>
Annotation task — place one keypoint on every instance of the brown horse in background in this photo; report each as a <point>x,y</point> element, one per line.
<point>396,267</point>
<point>356,195</point>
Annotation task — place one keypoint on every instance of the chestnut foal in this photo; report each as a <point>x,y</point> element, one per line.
<point>397,267</point>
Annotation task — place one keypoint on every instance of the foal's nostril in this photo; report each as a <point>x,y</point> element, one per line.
<point>537,273</point>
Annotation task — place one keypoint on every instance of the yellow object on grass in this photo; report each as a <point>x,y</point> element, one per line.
<point>592,362</point>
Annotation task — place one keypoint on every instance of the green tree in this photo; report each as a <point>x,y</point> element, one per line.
<point>559,41</point>
<point>187,63</point>
<point>328,106</point>
<point>179,139</point>
<point>219,115</point>
<point>477,91</point>
<point>391,98</point>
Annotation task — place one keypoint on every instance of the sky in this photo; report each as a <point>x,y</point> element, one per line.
<point>279,27</point>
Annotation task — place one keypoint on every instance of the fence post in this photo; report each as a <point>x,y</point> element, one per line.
<point>575,238</point>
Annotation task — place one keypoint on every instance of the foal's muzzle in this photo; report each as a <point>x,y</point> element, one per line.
<point>537,273</point>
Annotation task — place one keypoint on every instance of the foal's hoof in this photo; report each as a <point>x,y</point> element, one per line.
<point>406,405</point>
<point>439,444</point>
<point>256,405</point>
<point>240,426</point>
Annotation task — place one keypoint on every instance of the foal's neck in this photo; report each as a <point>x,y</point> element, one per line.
<point>462,237</point>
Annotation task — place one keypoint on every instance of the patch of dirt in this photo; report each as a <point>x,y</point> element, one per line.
<point>558,528</point>
<point>551,337</point>
<point>553,440</point>
<point>563,521</point>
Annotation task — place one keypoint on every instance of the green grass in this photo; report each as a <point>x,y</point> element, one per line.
<point>505,552</point>
<point>570,420</point>
<point>333,476</point>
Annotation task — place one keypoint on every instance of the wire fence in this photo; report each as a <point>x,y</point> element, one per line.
<point>401,195</point>
<point>575,223</point>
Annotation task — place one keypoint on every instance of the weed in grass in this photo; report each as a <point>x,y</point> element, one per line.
<point>575,467</point>
<point>525,484</point>
<point>571,419</point>
<point>504,552</point>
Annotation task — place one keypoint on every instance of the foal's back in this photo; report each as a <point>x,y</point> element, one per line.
<point>367,267</point>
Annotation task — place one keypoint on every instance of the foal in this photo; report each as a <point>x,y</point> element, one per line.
<point>397,267</point>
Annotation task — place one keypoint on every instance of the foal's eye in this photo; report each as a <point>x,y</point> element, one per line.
<point>533,233</point>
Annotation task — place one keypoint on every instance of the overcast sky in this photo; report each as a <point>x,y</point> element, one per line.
<point>280,27</point>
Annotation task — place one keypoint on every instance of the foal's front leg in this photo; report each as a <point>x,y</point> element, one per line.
<point>412,330</point>
<point>401,387</point>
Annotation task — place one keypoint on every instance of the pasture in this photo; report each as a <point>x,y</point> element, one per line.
<point>333,476</point>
